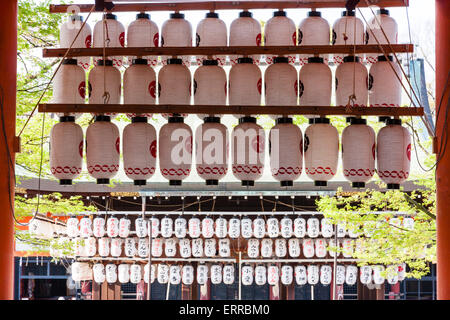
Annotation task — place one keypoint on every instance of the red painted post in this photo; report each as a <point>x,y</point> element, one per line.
<point>443,168</point>
<point>8,65</point>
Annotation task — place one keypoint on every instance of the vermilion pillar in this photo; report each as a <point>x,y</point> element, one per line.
<point>8,67</point>
<point>443,169</point>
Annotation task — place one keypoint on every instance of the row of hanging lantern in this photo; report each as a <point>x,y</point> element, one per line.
<point>287,147</point>
<point>244,31</point>
<point>258,274</point>
<point>244,227</point>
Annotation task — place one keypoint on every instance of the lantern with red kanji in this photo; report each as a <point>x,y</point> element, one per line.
<point>176,32</point>
<point>245,31</point>
<point>69,31</point>
<point>280,31</point>
<point>313,30</point>
<point>211,31</point>
<point>109,33</point>
<point>143,32</point>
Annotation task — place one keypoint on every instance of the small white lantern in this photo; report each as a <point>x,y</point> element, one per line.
<point>224,248</point>
<point>180,227</point>
<point>166,227</point>
<point>175,274</point>
<point>266,248</point>
<point>99,273</point>
<point>185,248</point>
<point>300,275</point>
<point>124,273</point>
<point>312,273</point>
<point>216,274</point>
<point>299,227</point>
<point>111,273</point>
<point>170,248</point>
<point>326,274</point>
<point>163,273</point>
<point>187,275</point>
<point>130,247</point>
<point>197,248</point>
<point>228,274</point>
<point>287,275</point>
<point>259,228</point>
<point>221,227</point>
<point>280,248</point>
<point>294,247</point>
<point>194,227</point>
<point>253,248</point>
<point>260,275</point>
<point>234,228</point>
<point>351,275</point>
<point>210,248</point>
<point>247,275</point>
<point>124,227</point>
<point>202,274</point>
<point>273,275</point>
<point>246,228</point>
<point>207,227</point>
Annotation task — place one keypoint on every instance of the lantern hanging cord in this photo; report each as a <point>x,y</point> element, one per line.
<point>106,41</point>
<point>54,73</point>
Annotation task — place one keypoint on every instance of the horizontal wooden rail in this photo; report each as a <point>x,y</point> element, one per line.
<point>235,50</point>
<point>226,5</point>
<point>221,109</point>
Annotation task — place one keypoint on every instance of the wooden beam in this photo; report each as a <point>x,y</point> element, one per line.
<point>221,109</point>
<point>231,50</point>
<point>225,5</point>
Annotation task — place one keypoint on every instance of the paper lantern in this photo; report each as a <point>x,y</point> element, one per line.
<point>321,151</point>
<point>154,229</point>
<point>308,248</point>
<point>340,274</point>
<point>273,276</point>
<point>347,248</point>
<point>401,271</point>
<point>187,275</point>
<point>85,227</point>
<point>246,228</point>
<point>202,274</point>
<point>377,277</point>
<point>111,273</point>
<point>260,275</point>
<point>280,31</point>
<point>76,245</point>
<point>210,85</point>
<point>385,90</point>
<point>66,150</point>
<point>286,151</point>
<point>98,228</point>
<point>351,275</point>
<point>180,227</point>
<point>130,247</point>
<point>333,248</point>
<point>124,273</point>
<point>315,84</point>
<point>72,227</point>
<point>135,273</point>
<point>286,227</point>
<point>104,245</point>
<point>207,227</point>
<point>216,274</point>
<point>141,227</point>
<point>234,228</point>
<point>116,247</point>
<point>81,271</point>
<point>326,228</point>
<point>381,29</point>
<point>194,227</point>
<point>341,230</point>
<point>312,273</point>
<point>69,31</point>
<point>320,248</point>
<point>211,31</point>
<point>365,274</point>
<point>175,150</point>
<point>109,33</point>
<point>253,248</point>
<point>224,248</point>
<point>112,227</point>
<point>326,274</point>
<point>299,227</point>
<point>313,227</point>
<point>247,275</point>
<point>185,248</point>
<point>280,248</point>
<point>210,248</point>
<point>175,274</point>
<point>124,227</point>
<point>176,32</point>
<point>221,227</point>
<point>157,249</point>
<point>228,274</point>
<point>358,142</point>
<point>163,273</point>
<point>393,153</point>
<point>266,248</point>
<point>287,275</point>
<point>392,274</point>
<point>98,270</point>
<point>170,248</point>
<point>294,248</point>
<point>197,248</point>
<point>245,31</point>
<point>273,227</point>
<point>347,30</point>
<point>174,84</point>
<point>313,30</point>
<point>102,149</point>
<point>300,275</point>
<point>139,85</point>
<point>166,227</point>
<point>90,247</point>
<point>245,84</point>
<point>143,32</point>
<point>351,78</point>
<point>146,273</point>
<point>143,247</point>
<point>259,228</point>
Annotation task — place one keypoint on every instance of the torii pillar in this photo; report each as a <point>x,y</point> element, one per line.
<point>443,168</point>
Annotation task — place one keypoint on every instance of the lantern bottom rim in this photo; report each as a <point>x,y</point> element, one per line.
<point>358,185</point>
<point>287,183</point>
<point>140,182</point>
<point>65,182</point>
<point>393,186</point>
<point>320,183</point>
<point>175,182</point>
<point>102,181</point>
<point>247,183</point>
<point>212,182</point>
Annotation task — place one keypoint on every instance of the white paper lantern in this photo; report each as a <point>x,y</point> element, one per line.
<point>294,248</point>
<point>112,227</point>
<point>221,227</point>
<point>358,152</point>
<point>104,245</point>
<point>175,274</point>
<point>300,275</point>
<point>228,274</point>
<point>224,248</point>
<point>187,275</point>
<point>202,274</point>
<point>246,228</point>
<point>299,227</point>
<point>146,273</point>
<point>98,270</point>
<point>170,247</point>
<point>352,78</point>
<point>260,275</point>
<point>320,248</point>
<point>194,226</point>
<point>212,143</point>
<point>266,248</point>
<point>273,227</point>
<point>135,273</point>
<point>308,248</point>
<point>341,230</point>
<point>313,30</point>
<point>216,274</point>
<point>175,150</point>
<point>287,275</point>
<point>347,248</point>
<point>69,30</point>
<point>401,271</point>
<point>253,248</point>
<point>365,274</point>
<point>351,275</point>
<point>124,273</point>
<point>143,247</point>
<point>130,247</point>
<point>185,248</point>
<point>163,273</point>
<point>247,275</point>
<point>143,32</point>
<point>234,228</point>
<point>180,227</point>
<point>211,31</point>
<point>98,228</point>
<point>166,227</point>
<point>81,271</point>
<point>312,273</point>
<point>259,228</point>
<point>210,248</point>
<point>393,153</point>
<point>157,245</point>
<point>85,227</point>
<point>326,228</point>
<point>111,273</point>
<point>340,274</point>
<point>102,149</point>
<point>286,227</point>
<point>333,247</point>
<point>110,33</point>
<point>321,151</point>
<point>280,248</point>
<point>392,274</point>
<point>273,276</point>
<point>286,151</point>
<point>72,227</point>
<point>154,229</point>
<point>245,31</point>
<point>207,227</point>
<point>176,32</point>
<point>347,30</point>
<point>385,90</point>
<point>380,27</point>
<point>197,248</point>
<point>90,247</point>
<point>280,31</point>
<point>124,227</point>
<point>313,227</point>
<point>141,227</point>
<point>326,274</point>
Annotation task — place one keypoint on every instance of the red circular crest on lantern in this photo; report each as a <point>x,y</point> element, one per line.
<point>122,39</point>
<point>408,151</point>
<point>156,39</point>
<point>373,150</point>
<point>259,84</point>
<point>152,89</point>
<point>258,39</point>
<point>153,148</point>
<point>118,145</point>
<point>294,38</point>
<point>80,148</point>
<point>88,41</point>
